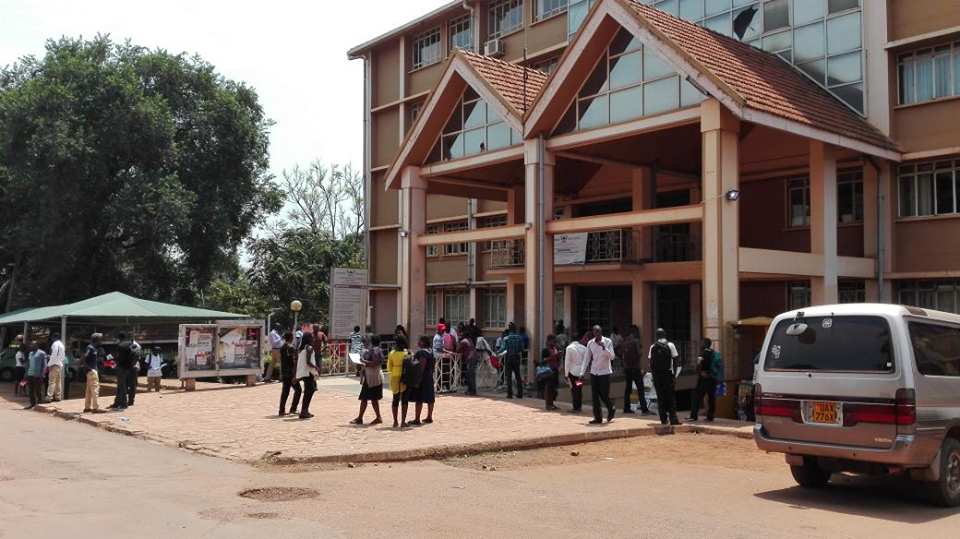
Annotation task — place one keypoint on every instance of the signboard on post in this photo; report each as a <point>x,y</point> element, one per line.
<point>570,249</point>
<point>348,301</point>
<point>228,348</point>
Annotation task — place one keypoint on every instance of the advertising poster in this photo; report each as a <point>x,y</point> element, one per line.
<point>348,301</point>
<point>196,348</point>
<point>570,249</point>
<point>225,349</point>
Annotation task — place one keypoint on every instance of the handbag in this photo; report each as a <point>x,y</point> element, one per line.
<point>543,373</point>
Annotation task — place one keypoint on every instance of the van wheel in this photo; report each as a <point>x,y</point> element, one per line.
<point>946,491</point>
<point>810,475</point>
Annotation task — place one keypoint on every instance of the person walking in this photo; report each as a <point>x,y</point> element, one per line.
<point>663,355</point>
<point>133,375</point>
<point>470,358</point>
<point>631,353</point>
<point>599,359</point>
<point>90,363</point>
<point>572,365</point>
<point>288,375</point>
<point>395,368</point>
<point>306,371</point>
<point>36,363</point>
<point>371,379</point>
<point>154,369</point>
<point>55,369</point>
<point>124,364</point>
<point>708,376</point>
<point>356,345</point>
<point>426,393</point>
<point>548,372</point>
<point>20,368</point>
<point>512,353</point>
<point>276,342</point>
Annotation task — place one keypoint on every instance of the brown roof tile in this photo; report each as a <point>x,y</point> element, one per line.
<point>508,79</point>
<point>764,81</point>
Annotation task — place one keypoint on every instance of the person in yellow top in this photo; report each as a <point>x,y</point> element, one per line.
<point>395,368</point>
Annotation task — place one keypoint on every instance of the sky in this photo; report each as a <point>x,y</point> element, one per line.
<point>293,53</point>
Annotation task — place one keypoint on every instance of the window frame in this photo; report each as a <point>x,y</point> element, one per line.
<point>941,325</point>
<point>850,178</point>
<point>493,221</point>
<point>804,286</point>
<point>491,119</point>
<point>493,32</point>
<point>433,251</point>
<point>856,287</point>
<point>931,288</point>
<point>559,7</point>
<point>806,201</point>
<point>456,26</point>
<point>952,52</point>
<point>462,296</point>
<point>501,295</point>
<point>456,249</point>
<point>913,172</point>
<point>416,57</point>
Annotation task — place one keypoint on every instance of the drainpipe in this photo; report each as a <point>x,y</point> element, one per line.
<point>880,249</point>
<point>541,239</point>
<point>475,37</point>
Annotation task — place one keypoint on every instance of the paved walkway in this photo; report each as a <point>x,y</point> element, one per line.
<point>240,423</point>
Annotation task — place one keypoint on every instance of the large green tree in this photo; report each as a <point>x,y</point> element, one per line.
<point>126,168</point>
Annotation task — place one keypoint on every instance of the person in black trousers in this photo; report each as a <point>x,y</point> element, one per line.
<point>663,357</point>
<point>706,382</point>
<point>287,356</point>
<point>513,350</point>
<point>306,369</point>
<point>124,364</point>
<point>630,351</point>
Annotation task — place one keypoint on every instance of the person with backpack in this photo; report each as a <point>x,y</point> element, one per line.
<point>512,353</point>
<point>708,375</point>
<point>426,392</point>
<point>548,372</point>
<point>630,351</point>
<point>371,379</point>
<point>470,358</point>
<point>396,364</point>
<point>663,355</point>
<point>287,358</point>
<point>306,371</point>
<point>599,359</point>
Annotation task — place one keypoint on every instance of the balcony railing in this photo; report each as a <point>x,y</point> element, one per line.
<point>613,246</point>
<point>508,254</point>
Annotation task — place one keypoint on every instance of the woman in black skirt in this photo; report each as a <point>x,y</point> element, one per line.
<point>426,392</point>
<point>371,379</point>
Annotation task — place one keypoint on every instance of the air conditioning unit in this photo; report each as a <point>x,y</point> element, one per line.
<point>493,48</point>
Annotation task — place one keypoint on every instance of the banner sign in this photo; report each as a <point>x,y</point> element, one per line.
<point>230,348</point>
<point>570,249</point>
<point>348,301</point>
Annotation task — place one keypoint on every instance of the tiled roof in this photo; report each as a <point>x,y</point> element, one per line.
<point>764,81</point>
<point>508,79</point>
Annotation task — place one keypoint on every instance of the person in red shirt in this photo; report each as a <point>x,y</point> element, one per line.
<point>550,358</point>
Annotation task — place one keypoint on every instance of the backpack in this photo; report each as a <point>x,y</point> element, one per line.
<point>661,359</point>
<point>412,371</point>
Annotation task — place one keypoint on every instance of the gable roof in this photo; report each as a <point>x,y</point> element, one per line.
<point>760,79</point>
<point>518,85</point>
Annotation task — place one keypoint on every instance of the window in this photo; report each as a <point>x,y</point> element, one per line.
<point>548,8</point>
<point>930,189</point>
<point>928,74</point>
<point>936,349</point>
<point>936,294</point>
<point>433,250</point>
<point>834,344</point>
<point>426,48</point>
<point>851,292</point>
<point>576,14</point>
<point>494,221</point>
<point>414,112</point>
<point>546,66</point>
<point>461,33</point>
<point>798,295</point>
<point>850,197</point>
<point>473,128</point>
<point>798,202</point>
<point>456,306</point>
<point>455,248</point>
<point>494,308</point>
<point>628,82</point>
<point>505,16</point>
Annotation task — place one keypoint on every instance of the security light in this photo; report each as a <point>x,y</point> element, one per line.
<point>733,195</point>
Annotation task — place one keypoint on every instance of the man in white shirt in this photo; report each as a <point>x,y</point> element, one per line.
<point>665,368</point>
<point>55,366</point>
<point>276,341</point>
<point>599,358</point>
<point>572,366</point>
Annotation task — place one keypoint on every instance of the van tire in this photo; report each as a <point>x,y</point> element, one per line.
<point>810,475</point>
<point>946,491</point>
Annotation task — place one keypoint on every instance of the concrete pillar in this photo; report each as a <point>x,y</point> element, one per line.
<point>413,262</point>
<point>642,308</point>
<point>643,199</point>
<point>721,224</point>
<point>538,201</point>
<point>511,299</point>
<point>567,307</point>
<point>888,210</point>
<point>823,220</point>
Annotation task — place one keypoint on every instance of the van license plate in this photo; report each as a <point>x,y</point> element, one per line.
<point>825,413</point>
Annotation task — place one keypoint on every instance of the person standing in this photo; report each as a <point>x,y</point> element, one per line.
<point>512,353</point>
<point>20,368</point>
<point>306,370</point>
<point>426,393</point>
<point>572,365</point>
<point>437,342</point>
<point>549,358</point>
<point>90,363</point>
<point>36,363</point>
<point>55,369</point>
<point>663,355</point>
<point>154,369</point>
<point>133,375</point>
<point>599,358</point>
<point>470,358</point>
<point>371,379</point>
<point>287,357</point>
<point>124,364</point>
<point>276,342</point>
<point>708,375</point>
<point>395,369</point>
<point>631,353</point>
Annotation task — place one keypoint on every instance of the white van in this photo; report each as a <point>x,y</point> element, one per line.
<point>863,388</point>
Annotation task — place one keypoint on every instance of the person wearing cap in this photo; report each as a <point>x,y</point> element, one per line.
<point>90,363</point>
<point>154,369</point>
<point>438,339</point>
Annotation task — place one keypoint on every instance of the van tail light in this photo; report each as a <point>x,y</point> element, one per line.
<point>906,406</point>
<point>902,412</point>
<point>773,407</point>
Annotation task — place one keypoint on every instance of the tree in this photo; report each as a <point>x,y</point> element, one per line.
<point>128,169</point>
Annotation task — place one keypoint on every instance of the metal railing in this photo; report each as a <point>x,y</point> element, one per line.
<point>617,245</point>
<point>673,247</point>
<point>509,254</point>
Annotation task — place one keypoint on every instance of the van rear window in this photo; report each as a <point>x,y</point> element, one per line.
<point>832,344</point>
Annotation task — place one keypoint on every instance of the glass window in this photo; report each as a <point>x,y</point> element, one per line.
<point>498,136</point>
<point>746,23</point>
<point>549,8</point>
<point>936,349</point>
<point>843,33</point>
<point>546,66</point>
<point>807,11</point>
<point>844,69</point>
<point>906,80</point>
<point>456,306</point>
<point>625,70</point>
<point>717,6</point>
<point>776,15</point>
<point>626,104</point>
<point>624,42</point>
<point>836,6</point>
<point>455,248</point>
<point>808,43</point>
<point>924,194</point>
<point>842,344</point>
<point>494,308</point>
<point>576,14</point>
<point>426,48</point>
<point>461,33</point>
<point>719,24</point>
<point>653,66</point>
<point>956,68</point>
<point>923,76</point>
<point>777,42</point>
<point>689,95</point>
<point>798,295</point>
<point>798,202</point>
<point>670,6</point>
<point>851,292</point>
<point>945,192</point>
<point>661,96</point>
<point>432,309</point>
<point>692,10</point>
<point>593,112</point>
<point>504,17</point>
<point>908,200</point>
<point>852,94</point>
<point>943,79</point>
<point>474,128</point>
<point>816,70</point>
<point>433,250</point>
<point>493,221</point>
<point>850,197</point>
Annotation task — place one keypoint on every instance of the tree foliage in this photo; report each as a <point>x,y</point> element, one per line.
<point>123,168</point>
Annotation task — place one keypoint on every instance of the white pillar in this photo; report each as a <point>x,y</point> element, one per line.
<point>538,201</point>
<point>413,263</point>
<point>823,220</point>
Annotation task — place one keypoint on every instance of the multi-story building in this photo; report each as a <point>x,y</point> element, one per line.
<point>684,164</point>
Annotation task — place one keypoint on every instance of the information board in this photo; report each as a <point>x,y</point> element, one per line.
<point>570,249</point>
<point>348,301</point>
<point>224,349</point>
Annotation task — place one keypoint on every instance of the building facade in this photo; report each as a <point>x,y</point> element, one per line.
<point>726,159</point>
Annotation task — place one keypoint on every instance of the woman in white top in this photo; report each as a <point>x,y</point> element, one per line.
<point>306,370</point>
<point>154,369</point>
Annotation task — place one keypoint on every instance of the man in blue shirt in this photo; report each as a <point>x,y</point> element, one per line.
<point>37,362</point>
<point>512,352</point>
<point>276,342</point>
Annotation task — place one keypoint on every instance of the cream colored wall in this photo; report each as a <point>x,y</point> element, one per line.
<point>384,205</point>
<point>386,136</point>
<point>443,207</point>
<point>383,256</point>
<point>448,269</point>
<point>920,245</point>
<point>928,126</point>
<point>908,18</point>
<point>386,74</point>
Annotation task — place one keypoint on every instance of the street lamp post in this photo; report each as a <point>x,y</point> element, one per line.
<point>295,306</point>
